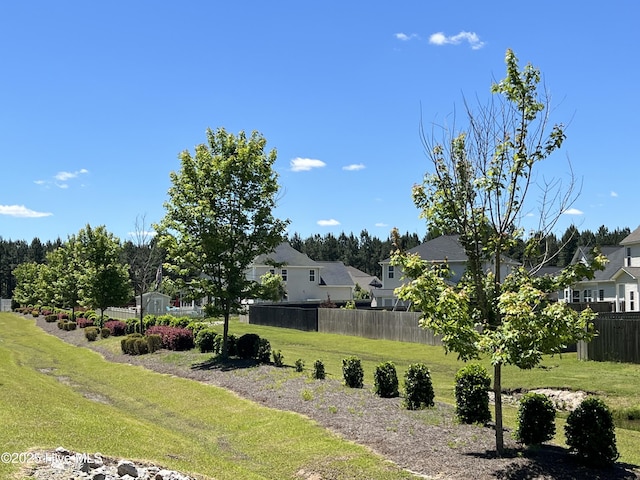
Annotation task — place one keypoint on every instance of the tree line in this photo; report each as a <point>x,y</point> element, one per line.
<point>363,251</point>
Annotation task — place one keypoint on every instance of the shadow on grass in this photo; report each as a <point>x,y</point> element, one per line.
<point>553,462</point>
<point>218,363</point>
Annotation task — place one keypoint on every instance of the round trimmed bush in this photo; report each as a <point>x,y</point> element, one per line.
<point>299,365</point>
<point>385,380</point>
<point>105,332</point>
<point>472,394</point>
<point>536,419</point>
<point>352,372</point>
<point>155,342</point>
<point>590,433</point>
<point>248,345</point>
<point>91,333</point>
<point>264,351</point>
<point>418,387</point>
<point>206,340</point>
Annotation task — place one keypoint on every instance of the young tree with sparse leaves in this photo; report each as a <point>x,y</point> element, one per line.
<point>219,217</point>
<point>477,190</point>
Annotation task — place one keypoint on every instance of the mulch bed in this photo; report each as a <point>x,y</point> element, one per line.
<point>429,443</point>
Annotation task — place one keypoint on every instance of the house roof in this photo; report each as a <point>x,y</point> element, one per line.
<point>615,255</point>
<point>287,255</point>
<point>335,274</point>
<point>633,237</point>
<point>632,271</point>
<point>445,247</point>
<point>362,278</point>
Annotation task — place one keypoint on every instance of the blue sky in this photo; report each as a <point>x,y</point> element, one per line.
<point>97,99</point>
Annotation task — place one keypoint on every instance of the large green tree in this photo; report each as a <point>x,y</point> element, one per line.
<point>219,217</point>
<point>477,190</point>
<point>104,279</point>
<point>65,265</point>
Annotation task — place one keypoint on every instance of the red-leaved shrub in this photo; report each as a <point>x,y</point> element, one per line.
<point>173,338</point>
<point>85,322</point>
<point>116,327</point>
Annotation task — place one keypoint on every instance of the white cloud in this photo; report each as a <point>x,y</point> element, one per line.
<point>573,211</point>
<point>440,38</point>
<point>354,167</point>
<point>21,211</point>
<point>614,194</point>
<point>305,164</point>
<point>64,176</point>
<point>404,37</point>
<point>328,223</point>
<point>381,224</point>
<point>39,182</point>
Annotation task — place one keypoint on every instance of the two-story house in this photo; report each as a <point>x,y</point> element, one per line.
<point>304,279</point>
<point>440,250</point>
<point>618,284</point>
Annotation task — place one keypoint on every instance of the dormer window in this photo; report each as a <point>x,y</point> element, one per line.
<point>312,275</point>
<point>390,271</point>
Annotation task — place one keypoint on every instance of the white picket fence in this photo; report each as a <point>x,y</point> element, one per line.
<point>5,304</point>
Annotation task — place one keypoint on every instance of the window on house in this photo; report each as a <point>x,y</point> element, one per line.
<point>312,275</point>
<point>587,296</point>
<point>272,271</point>
<point>601,295</point>
<point>628,259</point>
<point>390,271</point>
<point>284,274</point>
<point>576,296</point>
<point>631,302</point>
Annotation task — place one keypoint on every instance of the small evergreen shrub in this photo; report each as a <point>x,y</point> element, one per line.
<point>590,433</point>
<point>318,370</point>
<point>91,333</point>
<point>418,387</point>
<point>61,324</point>
<point>536,419</point>
<point>385,380</point>
<point>181,322</point>
<point>35,313</point>
<point>472,394</point>
<point>116,327</point>
<point>140,346</point>
<point>299,365</point>
<point>352,372</point>
<point>127,344</point>
<point>155,342</point>
<point>232,345</point>
<point>132,325</point>
<point>206,340</point>
<point>278,358</point>
<point>51,318</point>
<point>105,332</point>
<point>264,351</point>
<point>248,345</point>
<point>70,325</point>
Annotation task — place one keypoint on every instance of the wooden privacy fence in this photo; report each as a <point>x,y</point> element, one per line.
<point>377,324</point>
<point>618,339</point>
<point>300,318</point>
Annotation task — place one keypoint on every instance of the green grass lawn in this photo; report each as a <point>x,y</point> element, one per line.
<point>54,394</point>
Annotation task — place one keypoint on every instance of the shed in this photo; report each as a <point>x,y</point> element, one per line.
<point>154,303</point>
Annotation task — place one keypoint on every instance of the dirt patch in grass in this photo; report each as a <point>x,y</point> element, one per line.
<point>429,442</point>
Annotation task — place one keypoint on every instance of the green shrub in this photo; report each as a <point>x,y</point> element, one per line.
<point>127,344</point>
<point>248,345</point>
<point>590,433</point>
<point>196,326</point>
<point>318,370</point>
<point>132,325</point>
<point>140,346</point>
<point>278,358</point>
<point>206,340</point>
<point>35,313</point>
<point>472,394</point>
<point>71,325</point>
<point>264,351</point>
<point>385,380</point>
<point>232,345</point>
<point>154,342</point>
<point>105,332</point>
<point>536,422</point>
<point>299,365</point>
<point>91,333</point>
<point>418,387</point>
<point>352,372</point>
<point>61,324</point>
<point>51,318</point>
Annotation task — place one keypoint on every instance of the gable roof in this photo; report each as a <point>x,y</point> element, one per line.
<point>287,255</point>
<point>633,237</point>
<point>335,274</point>
<point>362,278</point>
<point>615,255</point>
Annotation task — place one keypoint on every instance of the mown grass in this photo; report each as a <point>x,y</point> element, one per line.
<point>52,394</point>
<point>617,384</point>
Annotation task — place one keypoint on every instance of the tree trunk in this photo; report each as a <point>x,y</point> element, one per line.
<point>225,336</point>
<point>497,392</point>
